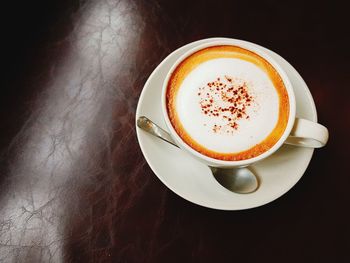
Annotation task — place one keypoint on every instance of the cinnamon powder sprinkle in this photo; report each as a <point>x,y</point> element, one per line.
<point>226,100</point>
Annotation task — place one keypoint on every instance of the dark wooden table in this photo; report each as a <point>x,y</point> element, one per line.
<point>74,186</point>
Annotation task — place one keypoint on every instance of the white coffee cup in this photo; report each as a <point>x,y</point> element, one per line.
<point>299,132</point>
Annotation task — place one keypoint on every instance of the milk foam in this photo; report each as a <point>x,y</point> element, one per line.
<point>263,113</point>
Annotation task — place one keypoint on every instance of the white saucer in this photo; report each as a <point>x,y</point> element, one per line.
<point>191,179</point>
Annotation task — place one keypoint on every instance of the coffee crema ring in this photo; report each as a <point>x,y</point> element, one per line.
<point>227,103</point>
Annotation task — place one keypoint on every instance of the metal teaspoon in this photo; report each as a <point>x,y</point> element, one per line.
<point>238,180</point>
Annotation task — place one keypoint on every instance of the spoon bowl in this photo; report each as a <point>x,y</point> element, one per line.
<point>238,180</point>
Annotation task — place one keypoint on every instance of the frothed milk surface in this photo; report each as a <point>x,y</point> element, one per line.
<point>227,103</point>
<point>262,111</point>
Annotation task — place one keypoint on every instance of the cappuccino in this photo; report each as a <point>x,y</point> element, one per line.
<point>227,103</point>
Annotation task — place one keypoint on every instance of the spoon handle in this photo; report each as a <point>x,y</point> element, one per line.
<point>149,126</point>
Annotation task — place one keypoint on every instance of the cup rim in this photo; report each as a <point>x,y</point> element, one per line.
<point>223,163</point>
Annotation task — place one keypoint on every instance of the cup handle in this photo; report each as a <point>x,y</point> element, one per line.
<point>307,134</point>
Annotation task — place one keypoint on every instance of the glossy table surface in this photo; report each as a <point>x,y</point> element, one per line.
<point>74,186</point>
